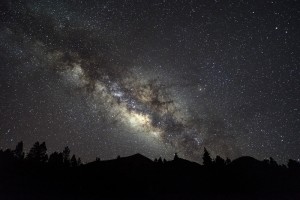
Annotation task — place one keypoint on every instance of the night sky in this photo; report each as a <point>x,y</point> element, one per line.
<point>110,78</point>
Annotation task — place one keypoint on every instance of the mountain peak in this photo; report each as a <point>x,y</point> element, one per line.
<point>137,158</point>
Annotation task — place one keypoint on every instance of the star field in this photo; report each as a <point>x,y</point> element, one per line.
<point>110,78</point>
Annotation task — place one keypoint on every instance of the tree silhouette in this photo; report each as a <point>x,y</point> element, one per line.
<point>56,159</point>
<point>66,156</point>
<point>245,173</point>
<point>293,164</point>
<point>273,163</point>
<point>79,162</point>
<point>98,159</point>
<point>7,156</point>
<point>176,157</point>
<point>219,162</point>
<point>18,152</point>
<point>160,160</point>
<point>207,161</point>
<point>38,153</point>
<point>227,161</point>
<point>74,161</point>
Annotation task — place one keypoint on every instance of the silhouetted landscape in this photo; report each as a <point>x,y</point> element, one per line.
<point>36,175</point>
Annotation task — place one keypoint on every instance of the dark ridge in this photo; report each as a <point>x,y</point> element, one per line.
<point>136,158</point>
<point>245,162</point>
<point>39,176</point>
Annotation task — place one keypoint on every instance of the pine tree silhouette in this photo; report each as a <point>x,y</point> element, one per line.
<point>293,164</point>
<point>207,161</point>
<point>273,163</point>
<point>227,161</point>
<point>98,159</point>
<point>38,153</point>
<point>66,156</point>
<point>74,161</point>
<point>56,159</point>
<point>79,162</point>
<point>160,160</point>
<point>176,157</point>
<point>18,152</point>
<point>219,162</point>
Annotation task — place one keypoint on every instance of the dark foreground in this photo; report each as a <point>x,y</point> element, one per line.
<point>137,177</point>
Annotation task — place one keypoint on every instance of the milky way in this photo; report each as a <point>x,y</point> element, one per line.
<point>143,106</point>
<point>157,77</point>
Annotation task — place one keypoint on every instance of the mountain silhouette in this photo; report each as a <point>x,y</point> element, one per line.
<point>136,159</point>
<point>138,177</point>
<point>246,162</point>
<point>126,164</point>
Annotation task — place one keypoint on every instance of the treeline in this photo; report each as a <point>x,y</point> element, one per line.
<point>38,155</point>
<point>219,162</point>
<point>37,175</point>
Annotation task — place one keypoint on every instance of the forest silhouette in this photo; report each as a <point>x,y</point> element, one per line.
<point>36,175</point>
